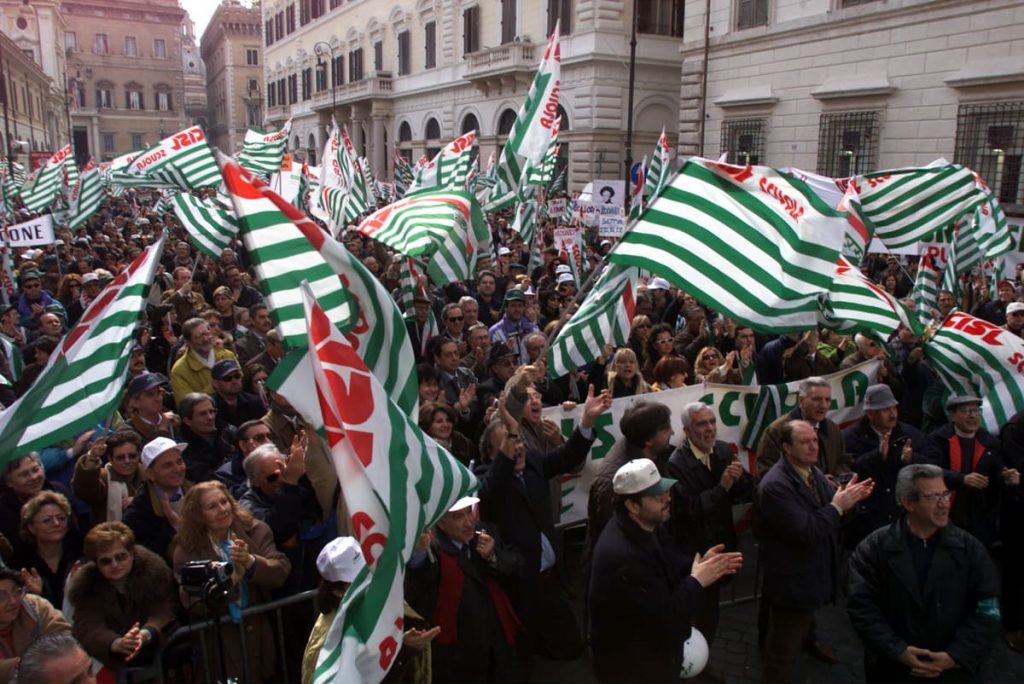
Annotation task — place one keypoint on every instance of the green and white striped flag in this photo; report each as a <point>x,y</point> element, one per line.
<point>82,382</point>
<point>211,225</point>
<point>404,176</point>
<point>71,174</point>
<point>40,188</point>
<point>86,197</point>
<point>525,219</point>
<point>972,356</point>
<point>444,228</point>
<point>13,175</point>
<point>396,482</point>
<point>855,303</point>
<point>449,168</point>
<point>990,223</point>
<point>262,152</point>
<point>751,242</point>
<point>531,131</point>
<point>306,184</point>
<point>604,317</point>
<point>541,173</point>
<point>925,293</point>
<point>182,161</point>
<point>356,200</point>
<point>507,176</point>
<point>906,206</point>
<point>163,205</point>
<point>659,173</point>
<point>15,359</point>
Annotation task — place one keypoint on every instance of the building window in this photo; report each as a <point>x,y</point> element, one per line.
<point>660,17</point>
<point>289,19</point>
<point>338,71</point>
<point>163,102</point>
<point>560,10</point>
<point>851,3</point>
<point>269,29</point>
<point>137,143</point>
<point>279,26</point>
<point>78,88</point>
<point>303,12</point>
<point>404,132</point>
<point>321,76</point>
<point>281,97</point>
<point>751,13</point>
<point>334,4</point>
<point>432,130</point>
<point>101,46</point>
<point>847,143</point>
<point>253,115</point>
<point>470,29</point>
<point>104,98</point>
<point>160,48</point>
<point>316,8</point>
<point>133,99</point>
<point>293,89</point>
<point>271,94</point>
<point>990,140</point>
<point>307,83</point>
<point>506,121</point>
<point>355,65</point>
<point>430,44</point>
<point>131,47</point>
<point>743,141</point>
<point>508,21</point>
<point>378,56</point>
<point>252,57</point>
<point>108,143</point>
<point>254,87</point>
<point>70,41</point>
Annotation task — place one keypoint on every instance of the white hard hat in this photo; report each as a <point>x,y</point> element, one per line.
<point>695,655</point>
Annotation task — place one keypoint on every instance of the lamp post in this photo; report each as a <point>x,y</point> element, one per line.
<point>320,48</point>
<point>629,106</point>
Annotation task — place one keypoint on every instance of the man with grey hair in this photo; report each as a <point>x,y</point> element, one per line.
<point>278,492</point>
<point>54,659</point>
<point>923,592</point>
<point>815,400</point>
<point>470,308</point>
<point>710,480</point>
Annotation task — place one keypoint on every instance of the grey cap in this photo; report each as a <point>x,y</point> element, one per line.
<point>959,399</point>
<point>879,397</point>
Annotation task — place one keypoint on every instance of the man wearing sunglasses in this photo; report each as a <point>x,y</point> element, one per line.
<point>923,592</point>
<point>234,405</point>
<point>34,300</point>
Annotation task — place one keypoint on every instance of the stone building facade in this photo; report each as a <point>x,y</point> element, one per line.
<point>232,49</point>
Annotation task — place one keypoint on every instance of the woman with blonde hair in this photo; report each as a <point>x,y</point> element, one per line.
<point>214,527</point>
<point>50,546</point>
<point>712,366</point>
<point>623,378</point>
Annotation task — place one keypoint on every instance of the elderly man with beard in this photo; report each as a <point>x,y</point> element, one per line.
<point>710,480</point>
<point>515,495</point>
<point>923,592</point>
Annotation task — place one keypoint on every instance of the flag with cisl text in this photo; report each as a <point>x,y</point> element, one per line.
<point>396,481</point>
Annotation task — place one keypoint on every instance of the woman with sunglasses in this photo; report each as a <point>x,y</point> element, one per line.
<point>123,597</point>
<point>109,487</point>
<point>24,617</point>
<point>659,346</point>
<point>50,546</point>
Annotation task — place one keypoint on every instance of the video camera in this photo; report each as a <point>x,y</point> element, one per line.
<point>206,579</point>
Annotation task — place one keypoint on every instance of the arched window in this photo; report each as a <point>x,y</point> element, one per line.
<point>405,132</point>
<point>469,123</point>
<point>564,125</point>
<point>508,117</point>
<point>433,130</point>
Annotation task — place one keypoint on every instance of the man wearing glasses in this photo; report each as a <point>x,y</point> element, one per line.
<point>250,434</point>
<point>972,464</point>
<point>923,593</point>
<point>34,300</point>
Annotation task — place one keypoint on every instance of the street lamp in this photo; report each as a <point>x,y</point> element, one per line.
<point>320,48</point>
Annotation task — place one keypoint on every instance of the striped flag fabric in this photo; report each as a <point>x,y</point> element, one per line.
<point>751,242</point>
<point>283,258</point>
<point>409,282</point>
<point>925,293</point>
<point>182,161</point>
<point>906,206</point>
<point>855,303</point>
<point>163,205</point>
<point>356,196</point>
<point>86,197</point>
<point>404,176</point>
<point>659,173</point>
<point>990,223</point>
<point>301,200</point>
<point>508,173</point>
<point>525,220</point>
<point>445,228</point>
<point>41,186</point>
<point>210,225</point>
<point>972,356</point>
<point>449,168</point>
<point>396,481</point>
<point>71,174</point>
<point>604,318</point>
<point>262,152</point>
<point>540,173</point>
<point>81,384</point>
<point>369,182</point>
<point>531,131</point>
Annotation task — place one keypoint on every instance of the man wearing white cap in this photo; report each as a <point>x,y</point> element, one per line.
<point>453,581</point>
<point>1015,318</point>
<point>643,591</point>
<point>154,510</point>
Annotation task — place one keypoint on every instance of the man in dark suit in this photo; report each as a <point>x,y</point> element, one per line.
<point>515,495</point>
<point>799,518</point>
<point>255,341</point>
<point>710,480</point>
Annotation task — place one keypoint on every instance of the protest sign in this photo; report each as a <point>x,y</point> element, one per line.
<point>38,231</point>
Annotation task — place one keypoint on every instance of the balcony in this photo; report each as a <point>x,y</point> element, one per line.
<point>503,69</point>
<point>374,87</point>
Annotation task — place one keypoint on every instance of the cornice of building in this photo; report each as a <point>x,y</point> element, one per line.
<point>13,53</point>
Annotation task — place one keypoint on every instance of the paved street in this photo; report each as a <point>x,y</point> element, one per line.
<point>734,653</point>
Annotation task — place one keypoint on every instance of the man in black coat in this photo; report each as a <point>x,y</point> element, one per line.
<point>710,481</point>
<point>923,592</point>
<point>799,514</point>
<point>879,445</point>
<point>515,495</point>
<point>153,514</point>
<point>208,445</point>
<point>234,405</point>
<point>1012,437</point>
<point>972,463</point>
<point>642,599</point>
<point>455,581</point>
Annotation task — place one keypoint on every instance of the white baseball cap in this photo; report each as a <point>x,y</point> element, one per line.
<point>158,447</point>
<point>565,278</point>
<point>503,251</point>
<point>341,560</point>
<point>658,284</point>
<point>1014,307</point>
<point>464,502</point>
<point>562,268</point>
<point>640,476</point>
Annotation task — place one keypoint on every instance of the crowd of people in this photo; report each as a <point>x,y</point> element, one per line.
<point>906,513</point>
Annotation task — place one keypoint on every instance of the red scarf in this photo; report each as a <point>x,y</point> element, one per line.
<point>956,458</point>
<point>449,598</point>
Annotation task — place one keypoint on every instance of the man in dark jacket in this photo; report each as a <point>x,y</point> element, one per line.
<point>642,599</point>
<point>799,513</point>
<point>1012,437</point>
<point>710,481</point>
<point>234,405</point>
<point>154,511</point>
<point>208,446</point>
<point>972,463</point>
<point>515,495</point>
<point>879,445</point>
<point>923,593</point>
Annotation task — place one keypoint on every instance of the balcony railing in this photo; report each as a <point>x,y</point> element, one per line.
<point>496,61</point>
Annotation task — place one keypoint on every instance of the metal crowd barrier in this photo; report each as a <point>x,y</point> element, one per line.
<point>205,630</point>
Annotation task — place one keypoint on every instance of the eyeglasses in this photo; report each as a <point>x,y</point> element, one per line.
<point>259,437</point>
<point>11,596</point>
<point>130,456</point>
<point>973,411</point>
<point>51,519</point>
<point>107,561</point>
<point>273,477</point>
<point>232,377</point>
<point>456,318</point>
<point>938,496</point>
